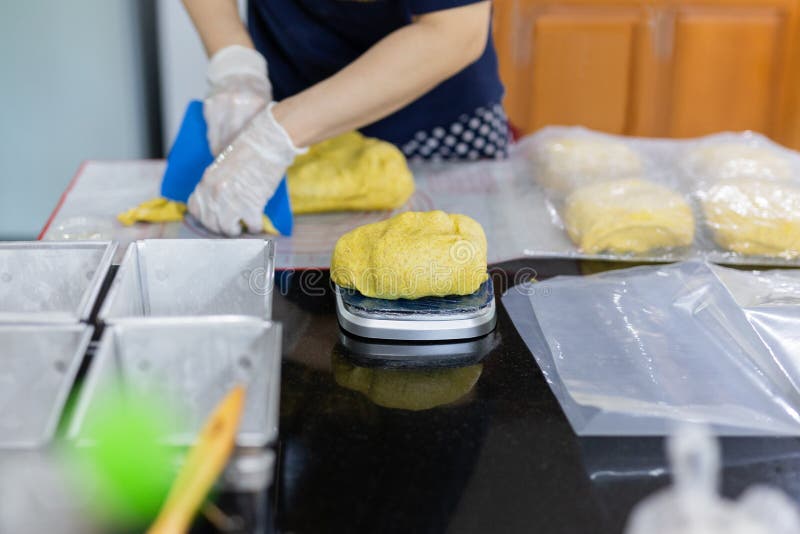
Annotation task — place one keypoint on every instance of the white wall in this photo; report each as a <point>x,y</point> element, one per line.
<point>71,88</point>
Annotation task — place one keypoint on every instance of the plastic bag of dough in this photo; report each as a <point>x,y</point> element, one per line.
<point>349,172</point>
<point>715,161</point>
<point>627,217</point>
<point>565,161</point>
<point>412,255</point>
<point>754,217</point>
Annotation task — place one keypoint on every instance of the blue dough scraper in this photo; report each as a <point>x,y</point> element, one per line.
<point>425,319</point>
<point>188,159</point>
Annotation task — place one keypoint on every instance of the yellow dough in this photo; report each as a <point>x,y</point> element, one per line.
<point>412,255</point>
<point>627,216</point>
<point>407,389</point>
<point>755,217</point>
<point>566,163</point>
<point>155,210</point>
<point>714,162</point>
<point>161,210</point>
<point>349,172</point>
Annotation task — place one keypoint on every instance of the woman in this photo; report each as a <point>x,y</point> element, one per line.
<point>421,74</point>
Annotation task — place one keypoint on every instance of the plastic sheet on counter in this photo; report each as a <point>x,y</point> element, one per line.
<point>101,190</point>
<point>630,352</point>
<point>728,198</point>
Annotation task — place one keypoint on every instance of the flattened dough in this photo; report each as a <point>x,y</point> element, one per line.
<point>566,163</point>
<point>412,255</point>
<point>155,210</point>
<point>627,216</point>
<point>715,162</point>
<point>349,172</point>
<point>162,210</point>
<point>755,217</point>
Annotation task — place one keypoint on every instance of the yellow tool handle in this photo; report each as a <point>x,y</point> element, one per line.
<point>205,462</point>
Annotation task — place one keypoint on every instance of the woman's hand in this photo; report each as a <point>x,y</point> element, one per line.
<point>237,186</point>
<point>238,90</point>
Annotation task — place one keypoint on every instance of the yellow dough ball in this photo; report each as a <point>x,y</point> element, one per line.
<point>412,255</point>
<point>628,216</point>
<point>755,217</point>
<point>714,162</point>
<point>566,163</point>
<point>349,172</point>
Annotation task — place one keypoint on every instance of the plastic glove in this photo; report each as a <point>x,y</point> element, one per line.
<point>237,186</point>
<point>239,89</point>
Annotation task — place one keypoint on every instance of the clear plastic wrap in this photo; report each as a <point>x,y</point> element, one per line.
<point>630,352</point>
<point>729,197</point>
<point>692,504</point>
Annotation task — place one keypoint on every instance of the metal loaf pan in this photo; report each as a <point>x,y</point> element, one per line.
<point>188,365</point>
<point>51,282</point>
<point>38,364</point>
<point>193,277</point>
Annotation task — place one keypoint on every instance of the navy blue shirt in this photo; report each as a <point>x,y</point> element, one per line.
<point>306,41</point>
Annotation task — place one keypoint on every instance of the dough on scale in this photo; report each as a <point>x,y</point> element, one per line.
<point>570,162</point>
<point>715,162</point>
<point>627,217</point>
<point>412,255</point>
<point>755,217</point>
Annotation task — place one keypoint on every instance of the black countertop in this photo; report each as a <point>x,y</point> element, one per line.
<point>369,450</point>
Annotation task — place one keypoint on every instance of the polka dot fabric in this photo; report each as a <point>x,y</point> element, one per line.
<point>481,135</point>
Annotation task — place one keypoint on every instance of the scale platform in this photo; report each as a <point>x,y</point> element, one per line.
<point>425,319</point>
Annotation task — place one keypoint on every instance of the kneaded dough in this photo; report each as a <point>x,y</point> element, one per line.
<point>412,255</point>
<point>755,217</point>
<point>566,163</point>
<point>406,389</point>
<point>628,216</point>
<point>349,172</point>
<point>714,162</point>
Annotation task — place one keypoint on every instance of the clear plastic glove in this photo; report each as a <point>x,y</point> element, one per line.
<point>238,90</point>
<point>237,186</point>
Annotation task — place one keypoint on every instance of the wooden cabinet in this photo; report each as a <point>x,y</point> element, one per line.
<point>674,68</point>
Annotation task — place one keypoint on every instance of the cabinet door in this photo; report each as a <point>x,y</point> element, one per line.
<point>726,71</point>
<point>567,65</point>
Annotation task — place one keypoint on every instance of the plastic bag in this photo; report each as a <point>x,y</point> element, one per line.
<point>630,352</point>
<point>693,506</point>
<point>740,190</point>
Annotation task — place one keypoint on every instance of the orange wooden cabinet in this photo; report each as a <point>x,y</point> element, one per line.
<point>667,68</point>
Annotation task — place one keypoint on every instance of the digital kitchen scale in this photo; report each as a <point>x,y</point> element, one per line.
<point>425,319</point>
